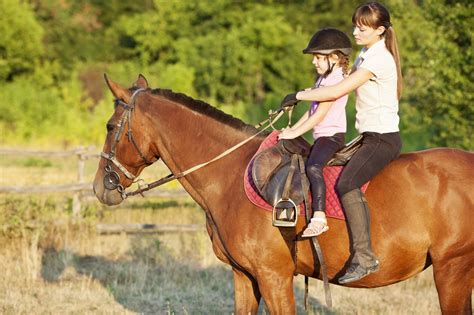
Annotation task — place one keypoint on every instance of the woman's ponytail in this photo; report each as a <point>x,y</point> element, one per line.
<point>391,43</point>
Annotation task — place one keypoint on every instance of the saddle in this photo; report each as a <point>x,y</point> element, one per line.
<point>280,179</point>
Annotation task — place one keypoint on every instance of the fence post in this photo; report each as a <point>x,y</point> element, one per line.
<point>76,198</point>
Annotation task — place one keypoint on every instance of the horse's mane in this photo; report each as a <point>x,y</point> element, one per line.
<point>204,108</point>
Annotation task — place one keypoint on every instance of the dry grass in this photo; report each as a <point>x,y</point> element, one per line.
<point>70,269</point>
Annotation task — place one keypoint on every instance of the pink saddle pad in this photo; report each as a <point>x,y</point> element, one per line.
<point>331,175</point>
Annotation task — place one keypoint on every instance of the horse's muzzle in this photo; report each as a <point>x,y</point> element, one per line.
<point>106,196</point>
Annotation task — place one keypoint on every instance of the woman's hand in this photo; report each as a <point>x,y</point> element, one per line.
<point>289,100</point>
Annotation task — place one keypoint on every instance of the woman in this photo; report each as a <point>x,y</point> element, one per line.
<point>377,80</point>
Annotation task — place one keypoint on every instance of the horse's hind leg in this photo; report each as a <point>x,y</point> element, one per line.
<point>454,278</point>
<point>247,294</point>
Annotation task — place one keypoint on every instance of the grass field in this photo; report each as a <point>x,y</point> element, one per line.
<point>61,265</point>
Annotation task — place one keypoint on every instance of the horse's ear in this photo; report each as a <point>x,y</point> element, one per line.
<point>141,82</point>
<point>118,91</point>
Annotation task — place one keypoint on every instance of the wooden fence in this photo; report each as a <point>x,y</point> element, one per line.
<point>81,190</point>
<point>82,154</point>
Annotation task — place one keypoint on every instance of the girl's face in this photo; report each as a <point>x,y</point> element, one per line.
<point>366,35</point>
<point>321,62</point>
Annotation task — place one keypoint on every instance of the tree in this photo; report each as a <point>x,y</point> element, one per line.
<point>437,64</point>
<point>20,39</point>
<point>241,56</point>
<point>238,52</point>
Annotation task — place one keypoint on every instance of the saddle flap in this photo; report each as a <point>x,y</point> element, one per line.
<point>270,170</point>
<point>272,192</point>
<point>264,165</point>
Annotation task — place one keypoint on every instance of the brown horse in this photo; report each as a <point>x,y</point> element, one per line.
<point>421,204</point>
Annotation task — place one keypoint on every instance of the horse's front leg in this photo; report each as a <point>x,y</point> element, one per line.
<point>246,292</point>
<point>277,291</point>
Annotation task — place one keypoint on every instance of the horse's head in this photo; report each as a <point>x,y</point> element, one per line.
<point>128,147</point>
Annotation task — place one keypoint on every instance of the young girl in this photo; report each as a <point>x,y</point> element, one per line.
<point>377,80</point>
<point>330,48</point>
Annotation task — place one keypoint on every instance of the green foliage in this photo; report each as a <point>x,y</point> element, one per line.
<point>59,114</point>
<point>20,39</point>
<point>21,214</point>
<point>437,64</point>
<point>176,77</point>
<point>36,162</point>
<point>236,52</point>
<point>242,57</point>
<point>73,32</point>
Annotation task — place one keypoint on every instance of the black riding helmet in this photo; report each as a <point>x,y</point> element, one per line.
<point>327,41</point>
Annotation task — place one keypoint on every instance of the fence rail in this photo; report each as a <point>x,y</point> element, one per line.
<point>82,154</point>
<point>147,228</point>
<point>81,151</point>
<point>81,190</point>
<point>46,189</point>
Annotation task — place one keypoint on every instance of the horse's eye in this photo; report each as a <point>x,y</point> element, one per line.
<point>110,127</point>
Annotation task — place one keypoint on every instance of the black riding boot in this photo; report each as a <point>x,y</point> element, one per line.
<point>357,213</point>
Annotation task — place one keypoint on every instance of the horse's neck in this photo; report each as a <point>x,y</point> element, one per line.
<point>186,138</point>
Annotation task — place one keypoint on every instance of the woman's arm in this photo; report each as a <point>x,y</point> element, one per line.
<point>333,92</point>
<point>301,128</point>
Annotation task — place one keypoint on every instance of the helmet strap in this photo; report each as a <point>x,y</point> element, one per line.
<point>330,66</point>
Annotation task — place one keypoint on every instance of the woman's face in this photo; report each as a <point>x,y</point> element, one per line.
<point>366,35</point>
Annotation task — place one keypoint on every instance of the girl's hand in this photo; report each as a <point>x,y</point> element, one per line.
<point>287,133</point>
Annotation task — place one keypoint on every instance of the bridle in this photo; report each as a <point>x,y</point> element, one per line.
<point>112,178</point>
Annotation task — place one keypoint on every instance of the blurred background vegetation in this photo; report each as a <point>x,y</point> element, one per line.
<point>241,57</point>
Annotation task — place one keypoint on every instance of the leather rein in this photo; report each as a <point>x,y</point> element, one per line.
<point>112,178</point>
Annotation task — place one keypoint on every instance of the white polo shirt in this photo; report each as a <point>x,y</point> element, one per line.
<point>377,101</point>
